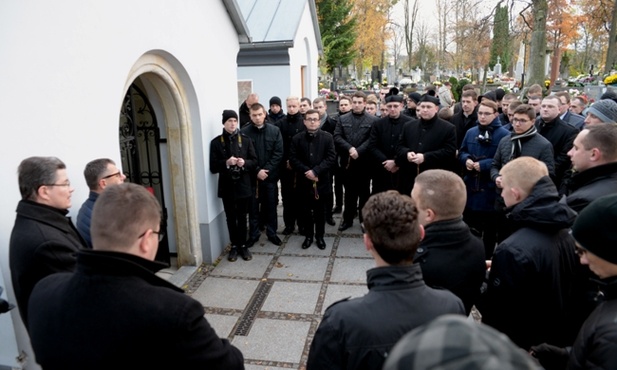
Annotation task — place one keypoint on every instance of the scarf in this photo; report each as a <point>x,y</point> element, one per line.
<point>518,139</point>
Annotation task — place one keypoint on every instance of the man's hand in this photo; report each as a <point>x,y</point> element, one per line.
<point>418,158</point>
<point>311,175</point>
<point>353,153</point>
<point>288,165</point>
<point>240,162</point>
<point>469,164</point>
<point>231,161</point>
<point>498,182</point>
<point>389,165</point>
<point>262,174</point>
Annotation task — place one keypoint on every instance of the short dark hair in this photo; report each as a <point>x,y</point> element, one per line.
<point>526,109</point>
<point>603,137</point>
<point>258,106</point>
<point>306,100</point>
<point>311,111</point>
<point>565,94</point>
<point>344,97</point>
<point>516,103</point>
<point>113,226</point>
<point>34,172</point>
<point>95,170</point>
<point>491,104</point>
<point>470,94</point>
<point>318,100</point>
<point>391,223</point>
<point>359,94</point>
<point>510,96</point>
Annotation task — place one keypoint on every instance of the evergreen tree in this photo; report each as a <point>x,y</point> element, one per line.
<point>338,32</point>
<point>501,46</point>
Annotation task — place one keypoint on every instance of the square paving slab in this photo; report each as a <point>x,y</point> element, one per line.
<point>292,297</point>
<point>225,293</point>
<point>299,268</point>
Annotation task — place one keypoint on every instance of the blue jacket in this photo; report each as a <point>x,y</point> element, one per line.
<point>84,217</point>
<point>481,192</point>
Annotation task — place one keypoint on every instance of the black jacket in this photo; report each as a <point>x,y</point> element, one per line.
<point>268,144</point>
<point>527,293</point>
<point>84,217</point>
<point>43,242</point>
<point>353,130</point>
<point>234,182</point>
<point>115,313</point>
<point>561,135</point>
<point>385,136</point>
<point>574,119</point>
<point>358,333</point>
<point>590,184</point>
<point>596,344</point>
<point>452,258</point>
<point>435,138</point>
<point>313,152</point>
<point>244,113</point>
<point>290,125</point>
<point>463,124</point>
<point>537,147</point>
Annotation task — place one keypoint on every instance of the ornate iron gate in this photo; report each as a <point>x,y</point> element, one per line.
<point>139,148</point>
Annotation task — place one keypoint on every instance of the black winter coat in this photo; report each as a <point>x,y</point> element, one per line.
<point>290,125</point>
<point>353,131</point>
<point>313,152</point>
<point>359,333</point>
<point>235,185</point>
<point>43,242</point>
<point>115,313</point>
<point>435,138</point>
<point>84,217</point>
<point>561,135</point>
<point>385,136</point>
<point>596,344</point>
<point>452,258</point>
<point>591,184</point>
<point>464,124</point>
<point>537,147</point>
<point>527,292</point>
<point>268,144</point>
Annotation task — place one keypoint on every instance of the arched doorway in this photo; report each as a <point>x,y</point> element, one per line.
<point>140,151</point>
<point>159,93</point>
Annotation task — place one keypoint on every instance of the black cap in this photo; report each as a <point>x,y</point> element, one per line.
<point>228,113</point>
<point>414,96</point>
<point>393,96</point>
<point>276,100</point>
<point>594,228</point>
<point>430,99</point>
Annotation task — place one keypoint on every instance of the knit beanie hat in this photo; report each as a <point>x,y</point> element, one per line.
<point>605,110</point>
<point>276,100</point>
<point>227,114</point>
<point>609,94</point>
<point>594,228</point>
<point>453,342</point>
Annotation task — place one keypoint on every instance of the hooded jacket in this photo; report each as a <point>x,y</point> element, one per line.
<point>585,186</point>
<point>528,287</point>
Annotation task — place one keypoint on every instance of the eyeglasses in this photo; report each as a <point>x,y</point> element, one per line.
<point>160,233</point>
<point>580,251</point>
<point>67,184</point>
<point>112,175</point>
<point>312,119</point>
<point>485,113</point>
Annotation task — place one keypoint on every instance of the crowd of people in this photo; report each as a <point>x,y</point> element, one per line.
<point>500,202</point>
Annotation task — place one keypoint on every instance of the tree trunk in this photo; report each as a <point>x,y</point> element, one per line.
<point>537,54</point>
<point>611,53</point>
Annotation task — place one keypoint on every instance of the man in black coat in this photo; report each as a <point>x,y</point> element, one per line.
<point>384,143</point>
<point>129,317</point>
<point>268,144</point>
<point>312,157</point>
<point>558,133</point>
<point>245,109</point>
<point>594,160</point>
<point>426,144</point>
<point>290,125</point>
<point>351,138</point>
<point>328,125</point>
<point>232,156</point>
<point>344,107</point>
<point>449,255</point>
<point>527,294</point>
<point>43,241</point>
<point>467,117</point>
<point>359,333</point>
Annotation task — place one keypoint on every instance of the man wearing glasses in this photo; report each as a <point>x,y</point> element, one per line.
<point>129,317</point>
<point>43,241</point>
<point>99,174</point>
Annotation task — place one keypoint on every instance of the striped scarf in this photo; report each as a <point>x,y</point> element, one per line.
<point>517,140</point>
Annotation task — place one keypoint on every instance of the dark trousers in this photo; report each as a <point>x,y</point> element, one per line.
<point>357,189</point>
<point>384,180</point>
<point>265,200</point>
<point>338,180</point>
<point>483,224</point>
<point>236,211</point>
<point>290,202</point>
<point>314,214</point>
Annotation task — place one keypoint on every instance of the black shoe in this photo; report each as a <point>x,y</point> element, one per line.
<point>330,221</point>
<point>288,231</point>
<point>233,255</point>
<point>275,240</point>
<point>337,209</point>
<point>251,242</point>
<point>307,242</point>
<point>321,244</point>
<point>245,254</point>
<point>345,225</point>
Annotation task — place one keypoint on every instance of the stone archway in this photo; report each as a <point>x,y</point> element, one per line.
<point>169,86</point>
